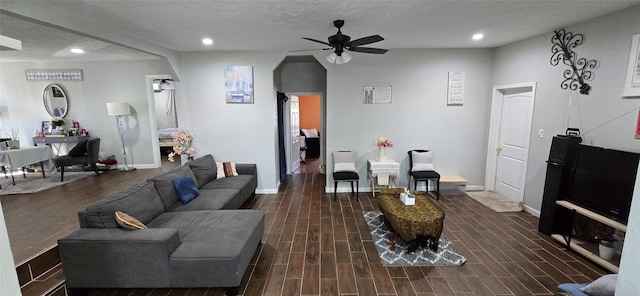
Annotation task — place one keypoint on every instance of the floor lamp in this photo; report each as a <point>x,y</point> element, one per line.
<point>119,109</point>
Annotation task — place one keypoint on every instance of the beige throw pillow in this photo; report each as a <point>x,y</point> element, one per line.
<point>128,222</point>
<point>226,169</point>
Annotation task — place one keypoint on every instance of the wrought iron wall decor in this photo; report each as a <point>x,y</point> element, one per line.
<point>562,50</point>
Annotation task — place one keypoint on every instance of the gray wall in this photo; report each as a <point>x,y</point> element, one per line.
<point>606,119</point>
<point>103,82</point>
<point>602,120</point>
<point>418,117</point>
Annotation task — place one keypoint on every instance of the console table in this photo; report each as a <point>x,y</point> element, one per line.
<point>57,141</point>
<point>381,171</point>
<point>584,248</point>
<point>19,158</point>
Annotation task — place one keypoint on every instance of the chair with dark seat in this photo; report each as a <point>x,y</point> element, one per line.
<point>344,170</point>
<point>421,169</point>
<point>84,153</point>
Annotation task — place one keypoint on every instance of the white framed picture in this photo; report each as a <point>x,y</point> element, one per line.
<point>632,83</point>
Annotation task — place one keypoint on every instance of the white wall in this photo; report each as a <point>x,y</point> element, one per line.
<point>8,277</point>
<point>103,82</point>
<point>607,39</point>
<point>628,276</point>
<point>243,133</point>
<point>418,117</point>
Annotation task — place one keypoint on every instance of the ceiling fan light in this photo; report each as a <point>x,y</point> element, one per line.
<point>332,57</point>
<point>346,57</point>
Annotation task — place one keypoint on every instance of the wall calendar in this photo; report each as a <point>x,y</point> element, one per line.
<point>377,93</point>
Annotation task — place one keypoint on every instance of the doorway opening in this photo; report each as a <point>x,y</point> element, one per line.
<point>163,118</point>
<point>310,133</point>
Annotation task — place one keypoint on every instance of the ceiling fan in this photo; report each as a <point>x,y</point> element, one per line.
<point>341,43</point>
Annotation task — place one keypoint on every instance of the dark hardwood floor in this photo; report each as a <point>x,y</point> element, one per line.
<point>315,246</point>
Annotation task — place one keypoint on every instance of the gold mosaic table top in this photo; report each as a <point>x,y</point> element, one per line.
<point>424,218</point>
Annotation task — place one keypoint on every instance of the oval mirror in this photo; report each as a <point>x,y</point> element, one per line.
<point>55,101</point>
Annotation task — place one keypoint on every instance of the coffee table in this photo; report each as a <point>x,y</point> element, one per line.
<point>420,224</point>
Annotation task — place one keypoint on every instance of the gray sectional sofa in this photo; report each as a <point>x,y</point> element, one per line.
<point>207,242</point>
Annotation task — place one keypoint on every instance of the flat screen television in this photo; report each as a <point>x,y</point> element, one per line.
<point>603,180</point>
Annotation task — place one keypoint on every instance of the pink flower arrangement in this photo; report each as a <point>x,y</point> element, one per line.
<point>183,140</point>
<point>382,142</point>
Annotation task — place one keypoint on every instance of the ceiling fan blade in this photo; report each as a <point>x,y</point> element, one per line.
<point>365,40</point>
<point>309,49</point>
<point>315,40</point>
<point>369,50</point>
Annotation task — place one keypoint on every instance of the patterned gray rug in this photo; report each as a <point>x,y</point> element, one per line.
<point>447,254</point>
<point>35,183</point>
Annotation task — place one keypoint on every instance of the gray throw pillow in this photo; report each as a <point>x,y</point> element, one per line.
<point>204,169</point>
<point>604,286</point>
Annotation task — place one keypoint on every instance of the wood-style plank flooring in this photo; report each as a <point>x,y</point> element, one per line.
<point>315,246</point>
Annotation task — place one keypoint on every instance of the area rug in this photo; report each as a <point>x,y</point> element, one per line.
<point>35,183</point>
<point>447,254</point>
<point>495,201</point>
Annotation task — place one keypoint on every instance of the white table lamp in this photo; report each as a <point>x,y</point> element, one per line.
<point>120,109</point>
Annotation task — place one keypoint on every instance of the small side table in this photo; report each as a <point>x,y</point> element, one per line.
<point>387,168</point>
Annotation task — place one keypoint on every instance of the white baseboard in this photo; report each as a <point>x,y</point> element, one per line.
<point>531,210</point>
<point>475,188</point>
<point>267,191</point>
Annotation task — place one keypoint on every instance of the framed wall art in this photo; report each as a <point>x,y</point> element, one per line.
<point>632,82</point>
<point>238,84</point>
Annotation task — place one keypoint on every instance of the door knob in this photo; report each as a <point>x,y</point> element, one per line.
<point>499,149</point>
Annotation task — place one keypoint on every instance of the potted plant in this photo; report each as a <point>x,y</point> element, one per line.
<point>607,240</point>
<point>14,143</point>
<point>58,126</point>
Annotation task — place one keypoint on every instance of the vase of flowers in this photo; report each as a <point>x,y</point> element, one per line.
<point>382,144</point>
<point>183,139</point>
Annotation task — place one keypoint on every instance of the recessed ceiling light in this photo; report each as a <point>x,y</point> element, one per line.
<point>207,41</point>
<point>77,50</point>
<point>477,36</point>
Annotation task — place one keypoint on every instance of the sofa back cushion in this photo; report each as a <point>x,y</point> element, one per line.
<point>164,185</point>
<point>204,169</point>
<point>139,201</point>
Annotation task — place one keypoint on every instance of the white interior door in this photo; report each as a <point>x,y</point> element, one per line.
<point>295,133</point>
<point>513,109</point>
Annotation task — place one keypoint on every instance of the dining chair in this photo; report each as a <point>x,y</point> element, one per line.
<point>344,170</point>
<point>421,169</point>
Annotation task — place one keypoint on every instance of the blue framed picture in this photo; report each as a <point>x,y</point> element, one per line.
<point>238,84</point>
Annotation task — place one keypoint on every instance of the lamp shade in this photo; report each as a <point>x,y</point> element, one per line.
<point>331,58</point>
<point>118,108</point>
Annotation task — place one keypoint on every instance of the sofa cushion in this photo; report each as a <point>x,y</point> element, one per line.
<point>140,201</point>
<point>204,169</point>
<point>127,222</point>
<point>216,246</point>
<point>212,199</point>
<point>164,185</point>
<point>186,189</point>
<point>240,182</point>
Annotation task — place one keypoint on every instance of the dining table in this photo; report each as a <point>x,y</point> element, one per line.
<point>24,156</point>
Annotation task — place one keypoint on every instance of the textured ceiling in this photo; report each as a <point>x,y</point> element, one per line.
<point>278,25</point>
